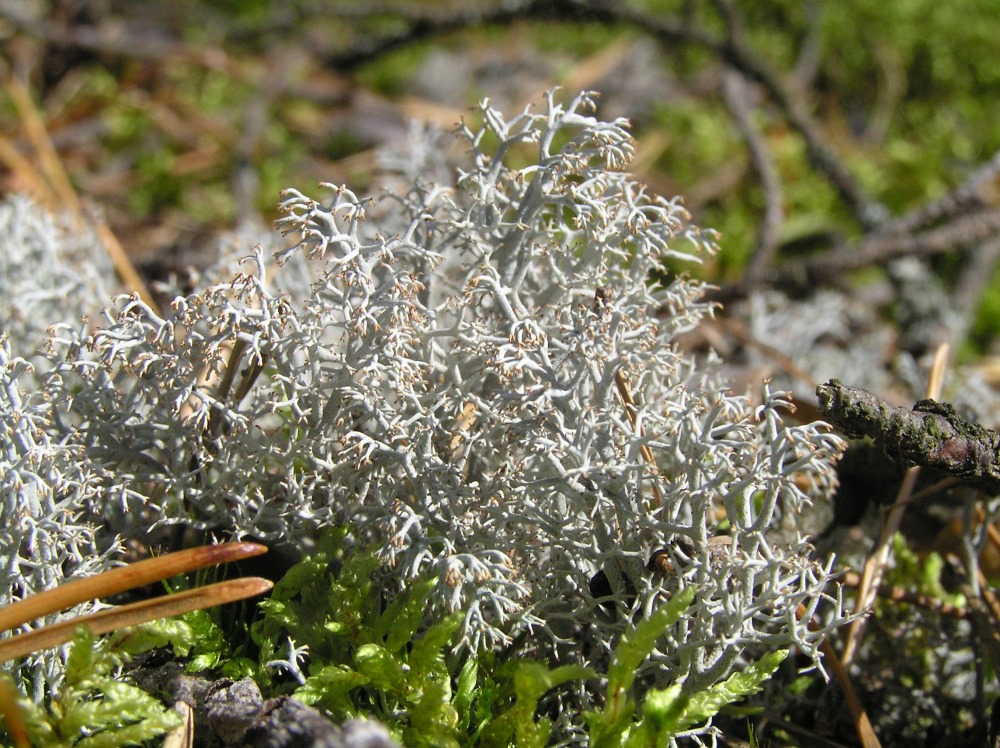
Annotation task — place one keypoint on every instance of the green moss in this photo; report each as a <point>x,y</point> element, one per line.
<point>582,40</point>
<point>94,707</point>
<point>391,74</point>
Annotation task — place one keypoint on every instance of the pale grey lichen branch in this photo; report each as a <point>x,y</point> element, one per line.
<point>52,494</point>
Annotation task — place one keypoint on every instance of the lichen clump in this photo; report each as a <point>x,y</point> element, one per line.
<point>481,376</point>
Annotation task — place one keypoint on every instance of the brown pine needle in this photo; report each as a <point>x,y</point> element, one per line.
<point>13,717</point>
<point>133,614</point>
<point>122,263</point>
<point>27,177</point>
<point>124,578</point>
<point>48,157</point>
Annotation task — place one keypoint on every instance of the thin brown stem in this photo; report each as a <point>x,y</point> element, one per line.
<point>878,559</point>
<point>603,297</point>
<point>900,595</point>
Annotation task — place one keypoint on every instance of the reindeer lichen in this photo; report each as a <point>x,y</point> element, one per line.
<point>480,375</point>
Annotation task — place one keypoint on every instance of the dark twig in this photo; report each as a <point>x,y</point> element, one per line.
<point>420,28</point>
<point>119,40</point>
<point>792,102</point>
<point>973,282</point>
<point>931,434</point>
<point>967,196</point>
<point>880,248</point>
<point>811,49</point>
<point>737,54</point>
<point>735,91</point>
<point>668,31</point>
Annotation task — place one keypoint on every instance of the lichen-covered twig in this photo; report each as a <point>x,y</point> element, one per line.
<point>930,434</point>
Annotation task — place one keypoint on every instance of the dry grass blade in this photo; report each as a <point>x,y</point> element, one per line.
<point>632,413</point>
<point>603,298</point>
<point>113,619</point>
<point>123,265</point>
<point>862,725</point>
<point>876,562</point>
<point>124,578</point>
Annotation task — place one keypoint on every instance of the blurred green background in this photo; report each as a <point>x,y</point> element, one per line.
<point>182,119</point>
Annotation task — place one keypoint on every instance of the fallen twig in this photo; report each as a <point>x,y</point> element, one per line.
<point>878,249</point>
<point>931,434</point>
<point>735,91</point>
